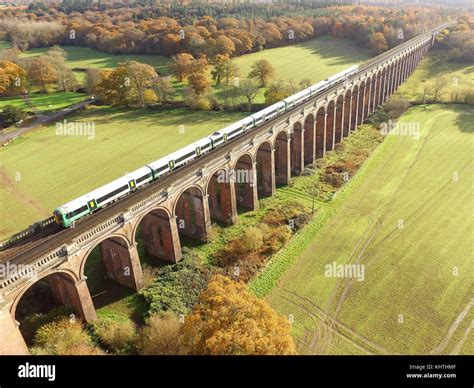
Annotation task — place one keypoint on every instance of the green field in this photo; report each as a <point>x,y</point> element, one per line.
<point>316,59</point>
<point>45,102</point>
<point>42,170</point>
<point>459,77</point>
<point>408,220</point>
<point>84,57</point>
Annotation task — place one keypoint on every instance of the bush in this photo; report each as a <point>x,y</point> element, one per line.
<point>10,115</point>
<point>177,286</point>
<point>31,323</point>
<point>63,337</point>
<point>149,275</point>
<point>160,335</point>
<point>116,336</point>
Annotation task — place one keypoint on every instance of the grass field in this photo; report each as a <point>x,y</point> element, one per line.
<point>42,170</point>
<point>407,220</point>
<point>316,59</point>
<point>84,57</point>
<point>45,102</point>
<point>459,76</point>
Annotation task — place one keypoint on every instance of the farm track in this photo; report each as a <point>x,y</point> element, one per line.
<point>332,325</point>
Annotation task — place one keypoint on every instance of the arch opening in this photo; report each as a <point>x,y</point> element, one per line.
<point>281,159</point>
<point>265,171</point>
<point>320,132</point>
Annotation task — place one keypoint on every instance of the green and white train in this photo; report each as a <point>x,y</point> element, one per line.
<point>67,214</point>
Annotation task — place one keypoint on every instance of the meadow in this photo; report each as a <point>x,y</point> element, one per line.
<point>45,102</point>
<point>404,218</point>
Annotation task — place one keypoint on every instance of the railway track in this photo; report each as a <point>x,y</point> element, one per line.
<point>52,238</point>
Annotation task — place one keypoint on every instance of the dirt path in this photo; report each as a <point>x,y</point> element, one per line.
<point>460,344</point>
<point>9,184</point>
<point>444,342</point>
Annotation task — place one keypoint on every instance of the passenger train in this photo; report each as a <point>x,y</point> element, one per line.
<point>70,212</point>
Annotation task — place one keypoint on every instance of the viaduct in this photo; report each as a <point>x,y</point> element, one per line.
<point>185,202</point>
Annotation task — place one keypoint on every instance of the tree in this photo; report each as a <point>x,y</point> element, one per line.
<point>248,89</point>
<point>42,72</point>
<point>229,320</point>
<point>199,83</point>
<point>114,88</point>
<point>378,43</point>
<point>230,71</point>
<point>160,335</point>
<point>219,67</point>
<point>141,77</point>
<point>66,79</point>
<point>305,83</point>
<point>92,81</point>
<point>10,115</point>
<point>180,65</point>
<point>12,79</point>
<point>438,88</point>
<point>263,71</point>
<point>163,88</point>
<point>277,91</point>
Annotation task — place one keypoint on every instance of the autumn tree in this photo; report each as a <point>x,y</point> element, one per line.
<point>263,71</point>
<point>180,65</point>
<point>141,77</point>
<point>378,43</point>
<point>229,72</point>
<point>41,72</point>
<point>92,81</point>
<point>438,88</point>
<point>163,88</point>
<point>66,79</point>
<point>220,63</point>
<point>12,79</point>
<point>160,335</point>
<point>199,83</point>
<point>229,320</point>
<point>114,88</point>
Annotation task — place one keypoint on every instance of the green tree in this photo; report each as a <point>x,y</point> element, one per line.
<point>263,71</point>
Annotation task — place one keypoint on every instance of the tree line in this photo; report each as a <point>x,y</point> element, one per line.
<point>140,30</point>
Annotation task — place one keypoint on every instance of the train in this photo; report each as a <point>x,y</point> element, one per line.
<point>66,215</point>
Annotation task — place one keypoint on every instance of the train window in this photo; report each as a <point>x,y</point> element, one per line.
<point>162,168</point>
<point>144,177</point>
<point>112,194</point>
<point>77,211</point>
<point>185,157</point>
<point>205,147</point>
<point>235,131</point>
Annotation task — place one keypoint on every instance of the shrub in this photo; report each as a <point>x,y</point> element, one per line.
<point>160,335</point>
<point>116,336</point>
<point>63,337</point>
<point>177,286</point>
<point>149,275</point>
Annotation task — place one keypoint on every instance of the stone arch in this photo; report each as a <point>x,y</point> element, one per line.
<point>221,194</point>
<point>282,158</point>
<point>297,151</point>
<point>57,288</point>
<point>339,119</point>
<point>321,132</point>
<point>309,138</point>
<point>245,182</point>
<point>192,213</point>
<point>110,266</point>
<point>330,121</point>
<point>159,235</point>
<point>265,170</point>
<point>346,126</point>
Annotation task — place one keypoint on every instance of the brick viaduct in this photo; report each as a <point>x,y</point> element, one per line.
<point>268,156</point>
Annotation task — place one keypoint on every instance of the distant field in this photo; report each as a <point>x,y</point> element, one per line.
<point>4,45</point>
<point>459,76</point>
<point>45,102</point>
<point>316,59</point>
<point>84,57</point>
<point>407,219</point>
<point>41,170</point>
